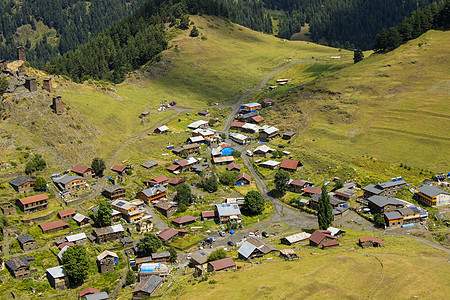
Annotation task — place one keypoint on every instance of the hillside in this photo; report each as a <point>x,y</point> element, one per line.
<point>103,117</point>
<point>391,106</point>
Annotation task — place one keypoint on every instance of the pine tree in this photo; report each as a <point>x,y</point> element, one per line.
<point>325,210</point>
<point>358,55</point>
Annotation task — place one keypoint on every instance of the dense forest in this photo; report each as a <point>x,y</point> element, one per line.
<point>340,22</point>
<point>131,42</point>
<point>75,22</point>
<point>434,16</point>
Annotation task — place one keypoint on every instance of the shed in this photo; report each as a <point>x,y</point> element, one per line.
<point>221,264</point>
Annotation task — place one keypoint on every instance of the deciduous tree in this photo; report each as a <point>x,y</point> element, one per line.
<point>254,202</point>
<point>76,264</point>
<point>98,165</point>
<point>281,181</point>
<point>149,244</point>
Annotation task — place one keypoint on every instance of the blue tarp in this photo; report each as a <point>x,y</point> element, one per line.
<point>231,231</point>
<point>227,151</point>
<point>407,225</point>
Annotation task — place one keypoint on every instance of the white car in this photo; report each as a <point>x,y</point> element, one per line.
<point>249,153</point>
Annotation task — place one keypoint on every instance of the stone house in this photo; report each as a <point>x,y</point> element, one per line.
<point>113,192</point>
<point>57,277</point>
<point>105,234</point>
<point>23,184</point>
<point>19,267</point>
<point>66,215</point>
<point>385,189</point>
<point>107,261</point>
<point>26,242</point>
<point>70,183</point>
<point>33,203</point>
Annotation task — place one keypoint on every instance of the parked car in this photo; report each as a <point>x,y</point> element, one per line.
<point>173,103</point>
<point>265,234</point>
<point>251,234</point>
<point>222,233</point>
<point>249,153</point>
<point>209,240</point>
<point>280,146</point>
<point>230,243</point>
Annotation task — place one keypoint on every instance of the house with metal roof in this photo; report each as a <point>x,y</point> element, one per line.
<point>57,277</point>
<point>386,189</point>
<point>369,241</point>
<point>253,106</point>
<point>393,218</point>
<point>76,238</point>
<point>254,247</point>
<point>288,135</point>
<point>270,164</point>
<point>196,140</point>
<point>149,269</point>
<point>262,151</point>
<point>431,195</point>
<point>250,127</point>
<point>295,238</point>
<point>169,233</point>
<point>108,233</point>
<point>152,194</point>
<point>23,184</point>
<point>147,287</point>
<point>161,129</point>
<point>198,124</point>
<point>97,296</point>
<point>184,220</point>
<point>113,192</point>
<point>81,219</point>
<point>381,204</point>
<point>345,194</point>
<point>268,134</point>
<point>70,183</point>
<point>239,138</point>
<point>228,212</point>
<point>223,160</point>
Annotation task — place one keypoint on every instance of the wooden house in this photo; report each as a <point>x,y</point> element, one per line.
<point>107,261</point>
<point>53,226</point>
<point>365,242</point>
<point>119,169</point>
<point>208,215</point>
<point>81,219</point>
<point>251,107</point>
<point>147,287</point>
<point>23,184</point>
<point>381,204</point>
<point>152,194</point>
<point>113,192</point>
<point>267,102</point>
<point>166,208</point>
<point>393,218</point>
<point>290,165</point>
<point>288,135</point>
<point>432,196</point>
<point>288,254</point>
<point>221,265</point>
<point>254,247</point>
<point>385,189</point>
<point>66,215</point>
<point>160,180</point>
<point>33,203</point>
<point>268,134</point>
<point>228,212</point>
<point>149,164</point>
<point>108,233</point>
<point>188,149</point>
<point>319,237</point>
<point>161,130</point>
<point>19,267</point>
<point>169,233</point>
<point>163,256</point>
<point>233,167</point>
<point>70,183</point>
<point>345,194</point>
<point>184,220</point>
<point>83,171</point>
<point>243,179</point>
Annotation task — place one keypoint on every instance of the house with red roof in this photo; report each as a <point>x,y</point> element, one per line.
<point>267,102</point>
<point>53,226</point>
<point>169,233</point>
<point>290,165</point>
<point>33,203</point>
<point>162,180</point>
<point>184,220</point>
<point>83,171</point>
<point>370,242</point>
<point>208,215</point>
<point>233,167</point>
<point>119,169</point>
<point>174,181</point>
<point>322,239</point>
<point>221,265</point>
<point>243,179</point>
<point>67,214</point>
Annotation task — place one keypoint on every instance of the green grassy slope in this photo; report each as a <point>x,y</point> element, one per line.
<point>392,106</point>
<point>194,72</point>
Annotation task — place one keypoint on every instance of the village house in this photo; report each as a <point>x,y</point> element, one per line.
<point>314,201</point>
<point>297,185</point>
<point>380,204</point>
<point>184,220</point>
<point>268,134</point>
<point>205,133</point>
<point>309,191</point>
<point>228,212</point>
<point>267,102</point>
<point>147,287</point>
<point>203,113</point>
<point>57,277</point>
<point>107,261</point>
<point>262,151</point>
<point>340,211</point>
<point>431,196</point>
<point>165,208</point>
<point>145,113</point>
<point>208,215</point>
<point>198,124</point>
<point>295,238</point>
<point>83,171</point>
<point>53,226</point>
<point>365,242</point>
<point>290,165</point>
<point>115,216</point>
<point>288,135</point>
<point>223,264</point>
<point>149,164</point>
<point>163,256</point>
<point>160,180</point>
<point>167,234</point>
<point>393,218</point>
<point>105,234</point>
<point>26,242</point>
<point>256,120</point>
<point>70,183</point>
<point>254,247</point>
<point>8,209</point>
<point>235,200</point>
<point>410,214</point>
<point>19,267</point>
<point>182,165</point>
<point>152,194</point>
<point>322,239</point>
<point>345,194</point>
<point>196,140</point>
<point>161,130</point>
<point>239,138</point>
<point>33,203</point>
<point>174,181</point>
<point>23,184</point>
<point>385,189</point>
<point>186,149</point>
<point>270,164</point>
<point>288,254</point>
<point>113,192</point>
<point>199,260</point>
<point>223,160</point>
<point>129,211</point>
<point>250,107</point>
<point>66,215</point>
<point>81,219</point>
<point>236,125</point>
<point>246,117</point>
<point>98,296</point>
<point>243,179</point>
<point>79,238</point>
<point>336,232</point>
<point>119,169</point>
<point>233,167</point>
<point>198,169</point>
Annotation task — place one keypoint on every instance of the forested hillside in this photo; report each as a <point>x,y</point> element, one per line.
<point>343,21</point>
<point>75,22</point>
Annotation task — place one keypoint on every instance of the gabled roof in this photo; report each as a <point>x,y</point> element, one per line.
<point>159,179</point>
<point>149,164</point>
<point>18,181</point>
<point>330,243</point>
<point>53,225</point>
<point>33,199</point>
<point>267,100</point>
<point>290,164</point>
<point>312,190</point>
<point>233,166</point>
<point>319,235</point>
<point>97,296</point>
<point>118,168</point>
<point>66,213</point>
<point>16,263</point>
<point>334,231</point>
<point>108,229</point>
<point>201,256</point>
<point>154,190</point>
<point>197,124</point>
<point>163,205</point>
<point>167,234</point>
<point>89,290</point>
<point>223,263</point>
<point>251,104</point>
<point>289,133</point>
<point>297,182</point>
<point>253,243</point>
<point>244,176</point>
<point>208,214</point>
<point>196,139</point>
<point>270,130</point>
<point>175,180</point>
<point>264,149</point>
<point>431,191</point>
<point>270,163</point>
<point>370,239</point>
<point>257,119</point>
<point>237,124</point>
<point>297,237</point>
<point>148,285</point>
<point>112,188</point>
<point>222,159</point>
<point>65,179</point>
<point>76,237</point>
<point>345,192</point>
<point>105,254</point>
<point>81,169</point>
<point>225,209</point>
<point>381,201</point>
<point>79,217</point>
<point>184,219</point>
<point>393,215</point>
<point>406,211</point>
<point>57,272</point>
<point>61,252</point>
<point>25,238</point>
<point>238,136</point>
<point>163,128</point>
<point>158,255</point>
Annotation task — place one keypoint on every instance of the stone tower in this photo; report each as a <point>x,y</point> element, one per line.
<point>30,84</point>
<point>21,70</point>
<point>58,105</point>
<point>21,53</point>
<point>48,85</point>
